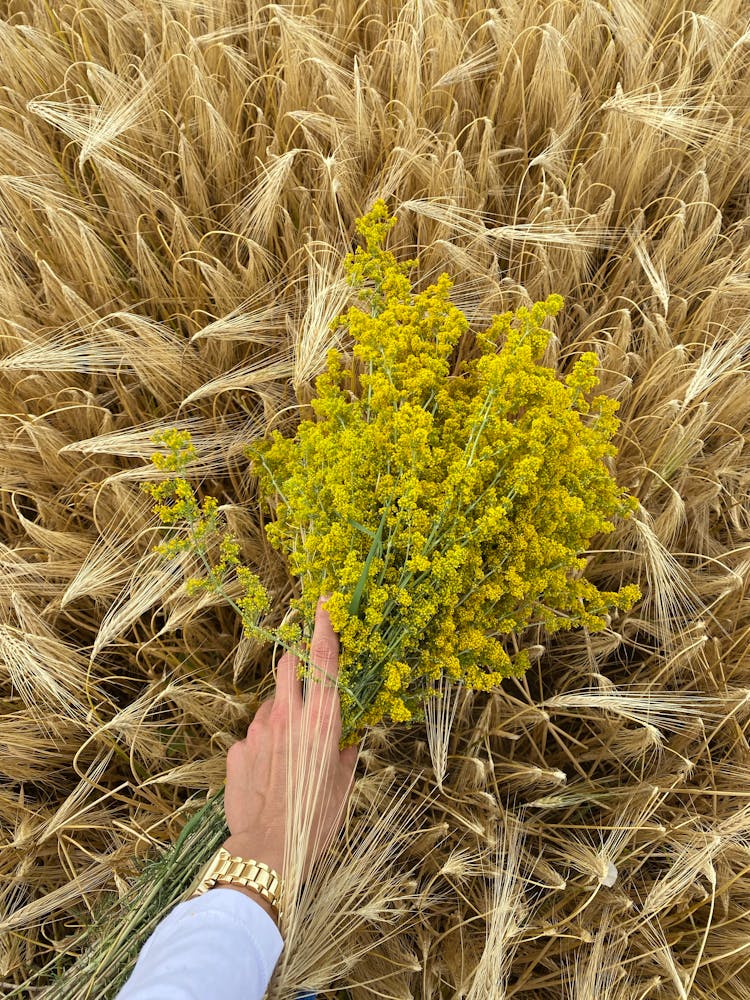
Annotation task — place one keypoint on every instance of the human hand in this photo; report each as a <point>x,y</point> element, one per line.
<point>289,765</point>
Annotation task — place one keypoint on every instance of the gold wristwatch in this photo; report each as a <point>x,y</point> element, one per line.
<point>256,875</point>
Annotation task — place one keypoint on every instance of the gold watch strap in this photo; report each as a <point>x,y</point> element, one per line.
<point>256,875</point>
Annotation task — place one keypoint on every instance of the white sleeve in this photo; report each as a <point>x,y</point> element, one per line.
<point>221,945</point>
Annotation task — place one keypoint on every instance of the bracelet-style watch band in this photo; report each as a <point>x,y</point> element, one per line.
<point>256,875</point>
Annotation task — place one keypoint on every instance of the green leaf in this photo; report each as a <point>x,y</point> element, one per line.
<point>365,531</point>
<point>375,549</point>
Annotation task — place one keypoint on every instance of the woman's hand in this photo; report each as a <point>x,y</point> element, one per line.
<point>290,762</point>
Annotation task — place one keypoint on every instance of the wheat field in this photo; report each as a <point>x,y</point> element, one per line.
<point>179,183</point>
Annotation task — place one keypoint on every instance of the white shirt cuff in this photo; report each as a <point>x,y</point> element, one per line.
<point>221,944</point>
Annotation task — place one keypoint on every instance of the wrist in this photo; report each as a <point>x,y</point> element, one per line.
<point>244,845</point>
<point>270,910</point>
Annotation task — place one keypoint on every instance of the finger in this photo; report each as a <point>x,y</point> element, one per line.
<point>263,710</point>
<point>233,753</point>
<point>288,685</point>
<point>349,757</point>
<point>321,692</point>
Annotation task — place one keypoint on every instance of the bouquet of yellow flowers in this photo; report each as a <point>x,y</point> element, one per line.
<point>442,512</point>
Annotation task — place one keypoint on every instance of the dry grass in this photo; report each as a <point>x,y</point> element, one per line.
<point>178,186</point>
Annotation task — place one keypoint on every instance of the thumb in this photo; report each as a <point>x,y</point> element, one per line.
<point>349,758</point>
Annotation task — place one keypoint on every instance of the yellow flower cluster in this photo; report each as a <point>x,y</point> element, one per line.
<point>442,512</point>
<point>201,521</point>
<point>184,505</point>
